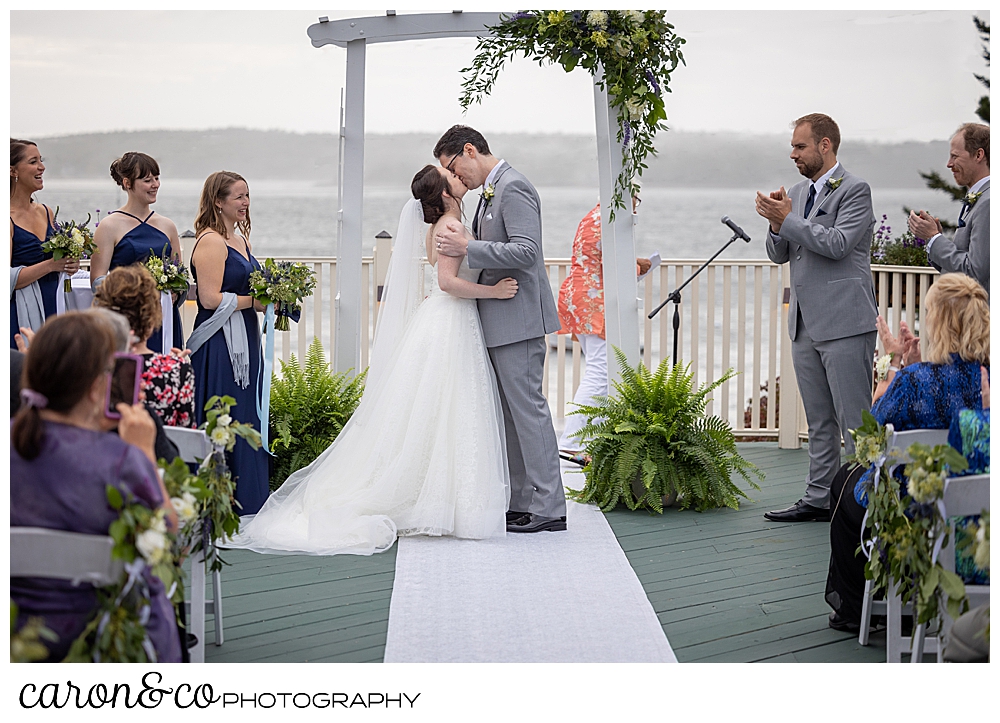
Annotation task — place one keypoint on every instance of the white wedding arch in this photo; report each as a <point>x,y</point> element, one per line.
<point>620,302</point>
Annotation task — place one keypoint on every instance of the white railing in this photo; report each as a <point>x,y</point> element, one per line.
<point>733,315</point>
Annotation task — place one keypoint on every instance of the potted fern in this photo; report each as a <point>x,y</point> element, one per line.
<point>652,440</point>
<point>309,407</point>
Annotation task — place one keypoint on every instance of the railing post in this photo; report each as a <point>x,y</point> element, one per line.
<point>383,252</point>
<point>788,404</point>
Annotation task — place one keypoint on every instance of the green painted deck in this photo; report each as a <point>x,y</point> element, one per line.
<point>727,586</point>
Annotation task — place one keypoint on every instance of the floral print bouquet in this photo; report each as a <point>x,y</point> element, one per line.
<point>284,284</point>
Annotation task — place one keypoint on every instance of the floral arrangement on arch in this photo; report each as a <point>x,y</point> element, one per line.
<point>636,49</point>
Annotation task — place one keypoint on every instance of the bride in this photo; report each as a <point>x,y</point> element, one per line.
<point>423,453</point>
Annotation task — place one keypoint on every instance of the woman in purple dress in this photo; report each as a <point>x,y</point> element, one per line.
<point>34,274</point>
<point>133,233</point>
<point>62,459</point>
<point>225,343</point>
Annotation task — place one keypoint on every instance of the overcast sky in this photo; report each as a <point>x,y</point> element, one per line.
<point>887,75</point>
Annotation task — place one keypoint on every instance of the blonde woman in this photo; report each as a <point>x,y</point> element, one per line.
<point>918,395</point>
<point>225,343</point>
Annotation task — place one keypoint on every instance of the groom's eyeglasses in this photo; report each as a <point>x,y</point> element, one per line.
<point>452,162</point>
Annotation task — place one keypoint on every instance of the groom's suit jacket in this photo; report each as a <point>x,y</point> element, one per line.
<point>829,259</point>
<point>509,244</point>
<point>969,252</point>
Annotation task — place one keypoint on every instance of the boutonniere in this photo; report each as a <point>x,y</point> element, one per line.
<point>488,193</point>
<point>971,198</point>
<point>834,183</point>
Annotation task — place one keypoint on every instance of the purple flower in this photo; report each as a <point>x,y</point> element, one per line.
<point>522,16</point>
<point>656,86</point>
<point>628,133</point>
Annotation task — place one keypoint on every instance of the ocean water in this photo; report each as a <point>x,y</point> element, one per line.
<point>292,218</point>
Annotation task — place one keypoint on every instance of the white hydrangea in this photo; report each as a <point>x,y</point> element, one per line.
<point>185,506</point>
<point>636,17</point>
<point>597,19</point>
<point>151,545</point>
<point>635,108</point>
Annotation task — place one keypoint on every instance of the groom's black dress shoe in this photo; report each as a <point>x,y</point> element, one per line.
<point>799,512</point>
<point>843,624</point>
<point>513,515</point>
<point>536,523</point>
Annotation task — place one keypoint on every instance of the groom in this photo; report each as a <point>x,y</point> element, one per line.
<point>507,226</point>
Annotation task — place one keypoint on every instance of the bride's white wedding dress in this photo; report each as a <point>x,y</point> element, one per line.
<point>423,453</point>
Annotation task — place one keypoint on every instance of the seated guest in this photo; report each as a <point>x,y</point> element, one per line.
<point>168,379</point>
<point>164,448</point>
<point>61,461</point>
<point>920,395</point>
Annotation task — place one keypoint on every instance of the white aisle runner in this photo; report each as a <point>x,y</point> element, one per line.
<point>560,597</point>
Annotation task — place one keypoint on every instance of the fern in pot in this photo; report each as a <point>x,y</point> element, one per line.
<point>652,440</point>
<point>309,407</point>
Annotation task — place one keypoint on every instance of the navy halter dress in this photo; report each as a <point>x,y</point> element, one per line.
<point>213,375</point>
<point>27,251</point>
<point>136,247</point>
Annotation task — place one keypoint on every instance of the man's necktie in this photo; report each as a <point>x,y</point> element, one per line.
<point>961,214</point>
<point>810,200</point>
<point>475,218</point>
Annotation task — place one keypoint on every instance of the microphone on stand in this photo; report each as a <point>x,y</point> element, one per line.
<point>735,229</point>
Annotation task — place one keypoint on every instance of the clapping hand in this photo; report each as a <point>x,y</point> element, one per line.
<point>905,347</point>
<point>23,340</point>
<point>923,225</point>
<point>774,207</point>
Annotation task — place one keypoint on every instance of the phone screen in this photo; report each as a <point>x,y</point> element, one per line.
<point>123,387</point>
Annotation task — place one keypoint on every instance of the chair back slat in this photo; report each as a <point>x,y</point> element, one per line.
<point>75,556</point>
<point>192,444</point>
<point>901,441</point>
<point>968,495</point>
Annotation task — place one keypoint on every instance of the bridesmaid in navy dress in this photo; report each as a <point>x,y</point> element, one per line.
<point>133,233</point>
<point>222,263</point>
<point>30,223</point>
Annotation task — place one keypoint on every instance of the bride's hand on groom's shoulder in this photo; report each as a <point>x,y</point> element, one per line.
<point>450,238</point>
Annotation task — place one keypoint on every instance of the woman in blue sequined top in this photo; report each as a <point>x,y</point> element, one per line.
<point>133,233</point>
<point>920,395</point>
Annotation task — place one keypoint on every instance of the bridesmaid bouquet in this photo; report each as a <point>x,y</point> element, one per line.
<point>71,240</point>
<point>284,284</point>
<point>170,275</point>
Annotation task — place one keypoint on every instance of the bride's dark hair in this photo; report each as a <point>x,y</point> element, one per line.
<point>427,187</point>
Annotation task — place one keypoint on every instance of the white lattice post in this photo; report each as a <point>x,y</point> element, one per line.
<point>347,345</point>
<point>621,309</point>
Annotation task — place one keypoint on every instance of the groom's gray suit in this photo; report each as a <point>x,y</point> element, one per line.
<point>508,230</point>
<point>831,316</point>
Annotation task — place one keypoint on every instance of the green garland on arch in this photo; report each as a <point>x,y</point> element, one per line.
<point>637,49</point>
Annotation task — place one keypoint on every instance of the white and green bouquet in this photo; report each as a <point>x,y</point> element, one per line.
<point>71,240</point>
<point>169,273</point>
<point>284,284</point>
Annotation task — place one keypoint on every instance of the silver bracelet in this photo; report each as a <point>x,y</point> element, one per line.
<point>893,369</point>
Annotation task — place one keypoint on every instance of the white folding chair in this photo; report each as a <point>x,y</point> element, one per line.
<point>963,496</point>
<point>194,446</point>
<point>892,606</point>
<point>73,556</point>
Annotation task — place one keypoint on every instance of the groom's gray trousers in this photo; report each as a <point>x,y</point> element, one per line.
<point>532,450</point>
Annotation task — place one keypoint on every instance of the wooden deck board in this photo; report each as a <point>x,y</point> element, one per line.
<point>727,585</point>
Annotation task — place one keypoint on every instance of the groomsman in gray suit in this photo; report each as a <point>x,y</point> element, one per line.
<point>507,229</point>
<point>969,252</point>
<point>823,228</point>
